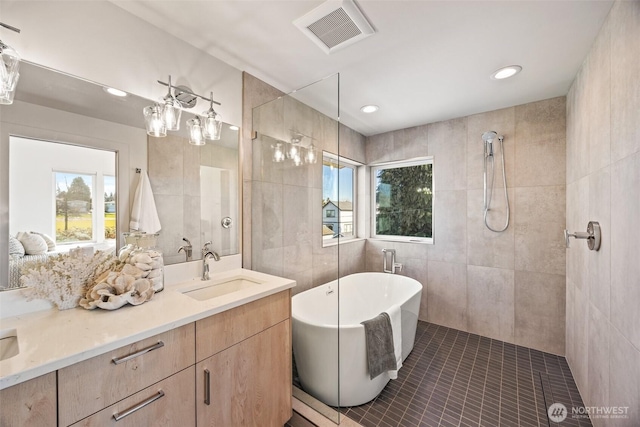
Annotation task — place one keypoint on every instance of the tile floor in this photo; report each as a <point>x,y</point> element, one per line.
<point>454,378</point>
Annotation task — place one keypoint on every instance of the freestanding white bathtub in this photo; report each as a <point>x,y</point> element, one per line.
<point>317,337</point>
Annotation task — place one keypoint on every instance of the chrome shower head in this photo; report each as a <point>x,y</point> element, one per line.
<point>489,136</point>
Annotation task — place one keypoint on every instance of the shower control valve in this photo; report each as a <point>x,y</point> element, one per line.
<point>592,235</point>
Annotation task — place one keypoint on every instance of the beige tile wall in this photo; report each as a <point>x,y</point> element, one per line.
<point>603,184</point>
<point>174,173</point>
<point>509,285</point>
<point>284,200</point>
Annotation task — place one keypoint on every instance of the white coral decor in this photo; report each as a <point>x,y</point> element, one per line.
<point>63,279</point>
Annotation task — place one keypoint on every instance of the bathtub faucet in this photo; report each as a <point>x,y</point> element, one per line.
<point>394,265</point>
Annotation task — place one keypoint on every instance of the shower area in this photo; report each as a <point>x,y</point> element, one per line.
<point>495,267</point>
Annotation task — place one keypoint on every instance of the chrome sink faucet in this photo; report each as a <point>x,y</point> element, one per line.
<point>206,254</point>
<point>187,249</point>
<point>394,265</point>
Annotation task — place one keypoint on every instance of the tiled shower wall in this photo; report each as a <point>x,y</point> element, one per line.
<point>603,184</point>
<point>510,285</point>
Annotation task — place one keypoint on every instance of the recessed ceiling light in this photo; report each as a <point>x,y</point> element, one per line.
<point>506,72</point>
<point>232,127</point>
<point>369,108</point>
<point>115,92</point>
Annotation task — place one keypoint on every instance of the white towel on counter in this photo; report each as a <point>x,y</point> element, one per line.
<point>396,326</point>
<point>144,215</point>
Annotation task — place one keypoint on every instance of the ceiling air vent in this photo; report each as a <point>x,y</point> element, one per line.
<point>334,25</point>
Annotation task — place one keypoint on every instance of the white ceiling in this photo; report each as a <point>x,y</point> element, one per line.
<point>428,61</point>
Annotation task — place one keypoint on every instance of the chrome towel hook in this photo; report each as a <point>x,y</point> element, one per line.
<point>593,235</point>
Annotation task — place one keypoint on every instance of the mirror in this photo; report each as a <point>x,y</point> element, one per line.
<point>59,108</point>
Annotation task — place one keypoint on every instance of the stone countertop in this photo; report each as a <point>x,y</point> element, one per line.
<point>51,339</point>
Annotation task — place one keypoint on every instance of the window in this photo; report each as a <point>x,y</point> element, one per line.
<point>338,198</point>
<point>85,209</point>
<point>74,211</point>
<point>403,203</point>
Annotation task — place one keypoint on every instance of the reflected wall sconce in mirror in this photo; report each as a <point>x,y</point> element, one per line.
<point>295,150</point>
<point>9,67</point>
<point>165,115</point>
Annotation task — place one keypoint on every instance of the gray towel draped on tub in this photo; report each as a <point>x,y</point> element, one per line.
<point>379,341</point>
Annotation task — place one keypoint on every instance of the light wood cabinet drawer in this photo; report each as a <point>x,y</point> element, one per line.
<point>225,329</point>
<point>248,384</point>
<point>87,387</point>
<point>170,403</point>
<point>31,403</point>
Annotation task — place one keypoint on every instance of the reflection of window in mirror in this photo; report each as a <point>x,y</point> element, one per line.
<point>74,211</point>
<point>402,202</point>
<point>339,206</point>
<point>64,191</point>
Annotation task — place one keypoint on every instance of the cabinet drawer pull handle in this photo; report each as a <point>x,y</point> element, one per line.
<point>207,387</point>
<point>120,415</point>
<point>119,360</point>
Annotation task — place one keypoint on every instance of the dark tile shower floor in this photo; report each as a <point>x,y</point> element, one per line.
<point>454,378</point>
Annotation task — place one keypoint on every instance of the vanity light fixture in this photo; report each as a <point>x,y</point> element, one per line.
<point>506,72</point>
<point>294,150</point>
<point>9,66</point>
<point>169,112</point>
<point>369,109</point>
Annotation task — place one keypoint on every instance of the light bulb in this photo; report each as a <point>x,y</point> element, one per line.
<point>311,156</point>
<point>278,154</point>
<point>196,137</point>
<point>171,113</point>
<point>153,121</point>
<point>297,160</point>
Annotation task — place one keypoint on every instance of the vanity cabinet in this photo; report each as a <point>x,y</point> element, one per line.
<point>171,402</point>
<point>94,384</point>
<point>246,378</point>
<point>229,369</point>
<point>31,403</point>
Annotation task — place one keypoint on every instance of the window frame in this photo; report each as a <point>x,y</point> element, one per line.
<point>355,167</point>
<point>427,160</point>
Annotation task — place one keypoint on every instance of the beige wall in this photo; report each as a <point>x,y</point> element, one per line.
<point>509,285</point>
<point>603,184</point>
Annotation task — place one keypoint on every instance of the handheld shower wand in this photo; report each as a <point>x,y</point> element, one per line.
<point>488,138</point>
<point>489,159</point>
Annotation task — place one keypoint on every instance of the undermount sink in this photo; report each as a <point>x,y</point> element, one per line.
<point>213,289</point>
<point>8,344</point>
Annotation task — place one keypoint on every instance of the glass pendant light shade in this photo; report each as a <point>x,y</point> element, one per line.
<point>9,66</point>
<point>312,155</point>
<point>153,121</point>
<point>212,123</point>
<point>171,112</point>
<point>278,153</point>
<point>196,135</point>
